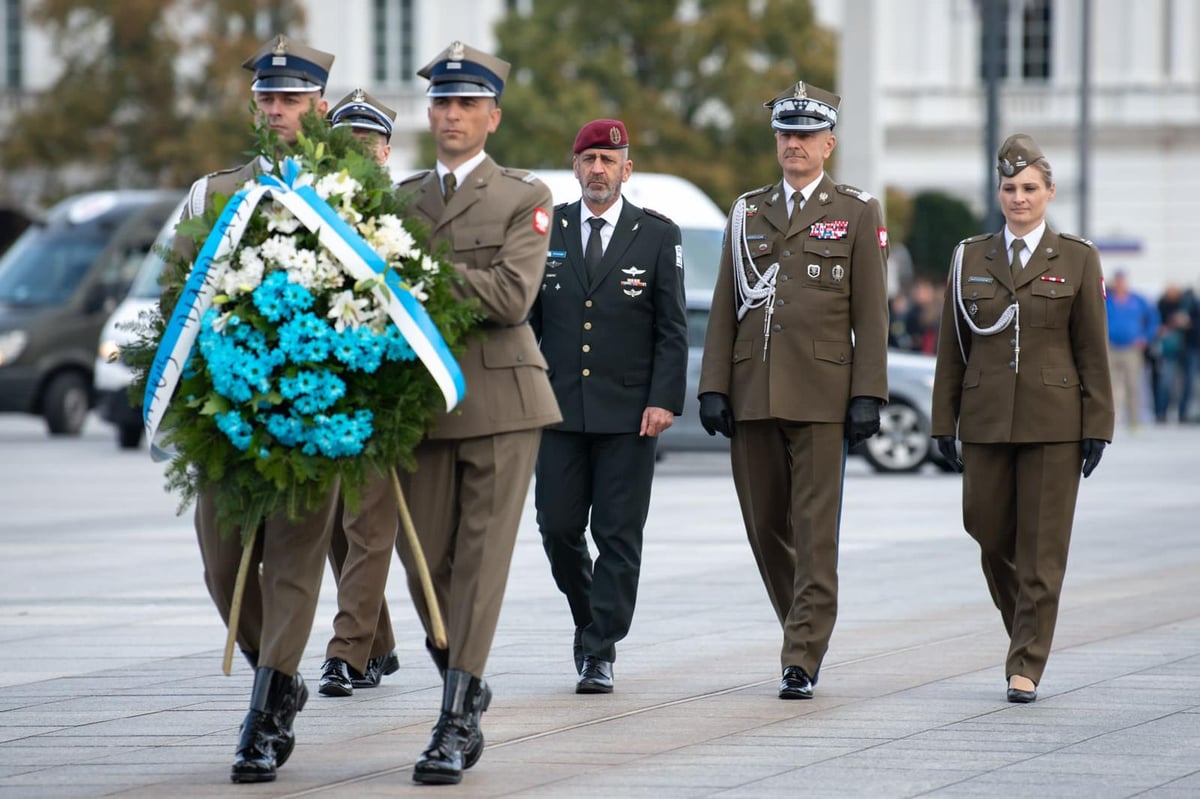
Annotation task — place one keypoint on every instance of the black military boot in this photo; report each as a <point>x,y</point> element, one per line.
<point>442,761</point>
<point>478,702</point>
<point>441,657</point>
<point>267,739</point>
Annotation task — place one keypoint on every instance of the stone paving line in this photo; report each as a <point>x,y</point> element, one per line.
<point>109,692</point>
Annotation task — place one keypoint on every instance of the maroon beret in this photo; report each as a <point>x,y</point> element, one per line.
<point>602,134</point>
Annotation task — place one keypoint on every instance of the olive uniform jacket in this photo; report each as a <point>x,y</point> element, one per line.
<point>495,226</point>
<point>227,182</point>
<point>618,344</point>
<point>828,329</point>
<point>1059,390</point>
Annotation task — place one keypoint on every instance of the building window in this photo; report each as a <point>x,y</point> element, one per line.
<point>393,42</point>
<point>11,57</point>
<point>1026,38</point>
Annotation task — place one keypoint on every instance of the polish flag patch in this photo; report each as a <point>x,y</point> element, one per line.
<point>541,221</point>
<point>881,234</point>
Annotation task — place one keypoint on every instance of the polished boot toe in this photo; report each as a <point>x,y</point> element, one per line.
<point>596,676</point>
<point>337,678</point>
<point>795,684</point>
<point>442,762</point>
<point>377,667</point>
<point>267,738</point>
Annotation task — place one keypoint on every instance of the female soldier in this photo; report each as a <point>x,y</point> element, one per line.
<point>1022,380</point>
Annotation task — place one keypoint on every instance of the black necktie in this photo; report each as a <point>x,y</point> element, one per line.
<point>449,182</point>
<point>1015,265</point>
<point>595,248</point>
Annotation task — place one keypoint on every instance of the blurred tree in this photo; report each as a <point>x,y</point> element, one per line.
<point>688,77</point>
<point>939,222</point>
<point>151,93</point>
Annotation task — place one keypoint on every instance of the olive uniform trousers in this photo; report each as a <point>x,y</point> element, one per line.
<point>1019,504</point>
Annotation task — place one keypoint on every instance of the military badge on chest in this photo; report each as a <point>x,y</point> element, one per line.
<point>633,285</point>
<point>554,262</point>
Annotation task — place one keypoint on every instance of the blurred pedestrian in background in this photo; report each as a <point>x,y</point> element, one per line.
<point>1022,379</point>
<point>795,367</point>
<point>1132,325</point>
<point>1175,350</point>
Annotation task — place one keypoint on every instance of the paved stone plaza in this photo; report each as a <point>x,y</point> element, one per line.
<point>110,649</point>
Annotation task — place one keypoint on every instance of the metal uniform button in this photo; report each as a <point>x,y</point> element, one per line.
<point>826,250</point>
<point>779,302</point>
<point>783,278</point>
<point>587,325</point>
<point>777,328</point>
<point>1012,342</point>
<point>841,358</point>
<point>520,358</point>
<point>587,304</point>
<point>1064,380</point>
<point>587,347</point>
<point>1012,364</point>
<point>1053,292</point>
<point>587,372</point>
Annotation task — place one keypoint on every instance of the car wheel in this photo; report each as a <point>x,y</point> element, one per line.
<point>66,404</point>
<point>902,443</point>
<point>129,436</point>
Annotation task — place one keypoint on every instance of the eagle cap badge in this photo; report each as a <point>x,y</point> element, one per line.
<point>801,92</point>
<point>458,51</point>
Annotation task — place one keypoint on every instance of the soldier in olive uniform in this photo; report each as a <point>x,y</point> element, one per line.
<point>1022,380</point>
<point>278,606</point>
<point>611,323</point>
<point>795,367</point>
<point>473,469</point>
<point>362,649</point>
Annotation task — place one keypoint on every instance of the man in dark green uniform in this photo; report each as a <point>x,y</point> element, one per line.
<point>280,597</point>
<point>610,320</point>
<point>795,367</point>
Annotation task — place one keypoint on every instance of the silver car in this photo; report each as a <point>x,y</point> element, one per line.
<point>903,443</point>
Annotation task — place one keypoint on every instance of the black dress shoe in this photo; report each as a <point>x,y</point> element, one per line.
<point>377,667</point>
<point>1021,697</point>
<point>596,676</point>
<point>795,684</point>
<point>578,650</point>
<point>337,678</point>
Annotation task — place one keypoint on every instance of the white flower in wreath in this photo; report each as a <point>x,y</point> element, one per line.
<point>391,239</point>
<point>340,184</point>
<point>347,310</point>
<point>428,264</point>
<point>279,251</point>
<point>280,219</point>
<point>244,274</point>
<point>418,290</point>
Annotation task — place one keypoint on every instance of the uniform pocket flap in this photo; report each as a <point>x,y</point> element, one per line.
<point>1055,291</point>
<point>476,236</point>
<point>971,378</point>
<point>761,249</point>
<point>1059,376</point>
<point>827,248</point>
<point>833,351</point>
<point>742,350</point>
<point>979,291</point>
<point>501,354</point>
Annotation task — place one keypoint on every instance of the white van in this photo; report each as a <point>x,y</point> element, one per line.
<point>700,221</point>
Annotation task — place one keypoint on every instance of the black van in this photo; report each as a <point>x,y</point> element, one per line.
<point>58,283</point>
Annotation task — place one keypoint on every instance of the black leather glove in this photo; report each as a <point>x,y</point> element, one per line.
<point>716,416</point>
<point>1093,448</point>
<point>948,446</point>
<point>862,420</point>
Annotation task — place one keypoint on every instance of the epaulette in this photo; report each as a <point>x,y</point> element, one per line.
<point>658,215</point>
<point>415,176</point>
<point>854,191</point>
<point>1080,239</point>
<point>561,206</point>
<point>977,237</point>
<point>759,190</point>
<point>523,175</point>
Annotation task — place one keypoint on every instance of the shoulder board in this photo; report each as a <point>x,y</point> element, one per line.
<point>759,190</point>
<point>658,215</point>
<point>852,191</point>
<point>523,175</point>
<point>561,206</point>
<point>1080,239</point>
<point>415,176</point>
<point>978,237</point>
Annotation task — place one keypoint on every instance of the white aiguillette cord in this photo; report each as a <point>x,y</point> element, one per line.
<point>763,290</point>
<point>1011,315</point>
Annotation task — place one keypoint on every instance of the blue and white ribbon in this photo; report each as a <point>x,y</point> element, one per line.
<point>343,242</point>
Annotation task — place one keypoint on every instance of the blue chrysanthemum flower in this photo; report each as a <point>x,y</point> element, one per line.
<point>235,429</point>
